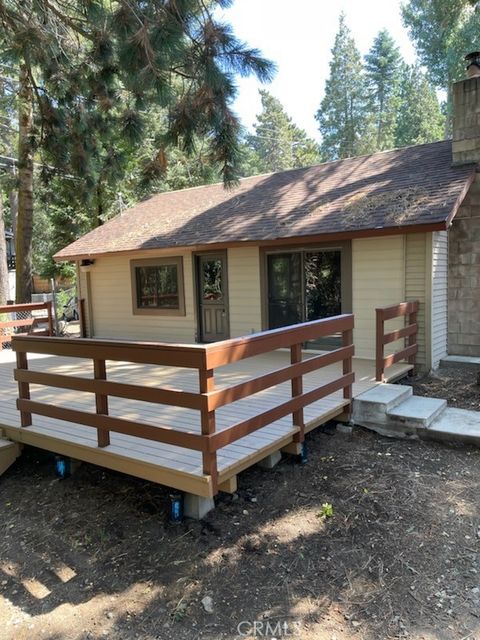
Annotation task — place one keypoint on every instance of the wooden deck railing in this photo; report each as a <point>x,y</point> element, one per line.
<point>205,358</point>
<point>21,316</point>
<point>409,311</point>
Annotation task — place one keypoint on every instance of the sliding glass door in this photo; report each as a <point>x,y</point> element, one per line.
<point>303,285</point>
<point>285,295</point>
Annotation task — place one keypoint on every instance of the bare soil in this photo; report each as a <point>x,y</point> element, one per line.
<point>457,384</point>
<point>94,556</point>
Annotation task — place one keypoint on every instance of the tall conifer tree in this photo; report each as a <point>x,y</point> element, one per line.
<point>382,71</point>
<point>420,118</point>
<point>342,116</point>
<point>278,142</point>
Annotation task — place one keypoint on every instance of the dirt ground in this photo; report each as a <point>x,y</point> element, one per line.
<point>458,385</point>
<point>93,556</point>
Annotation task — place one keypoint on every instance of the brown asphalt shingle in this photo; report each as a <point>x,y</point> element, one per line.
<point>405,187</point>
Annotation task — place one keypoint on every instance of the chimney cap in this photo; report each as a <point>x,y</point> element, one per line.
<point>473,64</point>
<point>473,56</point>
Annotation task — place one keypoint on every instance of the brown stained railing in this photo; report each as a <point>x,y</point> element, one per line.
<point>409,311</point>
<point>22,318</point>
<point>204,358</point>
<point>82,317</point>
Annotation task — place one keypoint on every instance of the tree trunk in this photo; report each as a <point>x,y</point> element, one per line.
<point>13,199</point>
<point>25,190</point>
<point>3,260</point>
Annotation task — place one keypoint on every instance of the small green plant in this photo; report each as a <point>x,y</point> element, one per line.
<point>327,511</point>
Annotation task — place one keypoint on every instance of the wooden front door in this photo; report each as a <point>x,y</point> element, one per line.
<point>212,297</point>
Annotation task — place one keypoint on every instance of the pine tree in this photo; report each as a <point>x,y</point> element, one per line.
<point>382,71</point>
<point>420,118</point>
<point>277,141</point>
<point>342,116</point>
<point>88,70</point>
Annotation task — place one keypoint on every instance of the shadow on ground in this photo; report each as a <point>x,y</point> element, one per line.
<point>94,556</point>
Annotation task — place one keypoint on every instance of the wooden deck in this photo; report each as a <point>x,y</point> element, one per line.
<point>166,464</point>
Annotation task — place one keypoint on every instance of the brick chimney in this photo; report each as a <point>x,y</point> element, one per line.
<point>466,114</point>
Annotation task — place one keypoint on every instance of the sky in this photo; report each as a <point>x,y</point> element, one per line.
<point>298,35</point>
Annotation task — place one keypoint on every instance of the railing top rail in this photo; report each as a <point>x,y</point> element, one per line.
<point>234,349</point>
<point>28,306</point>
<point>184,355</point>
<point>397,310</point>
<point>180,355</point>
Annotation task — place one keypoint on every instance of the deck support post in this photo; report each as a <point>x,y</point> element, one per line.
<point>270,461</point>
<point>197,507</point>
<point>297,390</point>
<point>101,402</point>
<point>23,389</point>
<point>209,458</point>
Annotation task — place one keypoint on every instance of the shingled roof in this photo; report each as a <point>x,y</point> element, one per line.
<point>405,188</point>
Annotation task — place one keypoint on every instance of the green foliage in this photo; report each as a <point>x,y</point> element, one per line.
<point>342,116</point>
<point>398,108</point>
<point>419,119</point>
<point>278,142</point>
<point>96,66</point>
<point>443,31</point>
<point>133,93</point>
<point>326,511</point>
<point>382,72</point>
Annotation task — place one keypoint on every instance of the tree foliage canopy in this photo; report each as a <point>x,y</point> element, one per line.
<point>382,72</point>
<point>375,105</point>
<point>96,66</point>
<point>278,142</point>
<point>443,32</point>
<point>342,114</point>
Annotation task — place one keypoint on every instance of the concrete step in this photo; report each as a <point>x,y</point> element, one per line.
<point>370,408</point>
<point>455,425</point>
<point>417,412</point>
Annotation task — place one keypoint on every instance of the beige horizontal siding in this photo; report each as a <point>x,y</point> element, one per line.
<point>416,274</point>
<point>244,291</point>
<point>439,296</point>
<point>112,303</point>
<point>377,281</point>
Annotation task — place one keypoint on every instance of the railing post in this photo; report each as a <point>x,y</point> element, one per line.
<point>347,341</point>
<point>50,318</point>
<point>297,390</point>
<point>101,402</point>
<point>412,340</point>
<point>379,351</point>
<point>209,458</point>
<point>23,389</point>
<point>81,315</point>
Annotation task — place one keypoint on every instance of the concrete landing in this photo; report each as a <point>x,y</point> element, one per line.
<point>460,360</point>
<point>458,425</point>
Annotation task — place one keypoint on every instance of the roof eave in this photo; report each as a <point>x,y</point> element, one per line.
<point>289,240</point>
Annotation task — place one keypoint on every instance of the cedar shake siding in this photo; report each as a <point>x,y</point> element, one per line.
<point>464,277</point>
